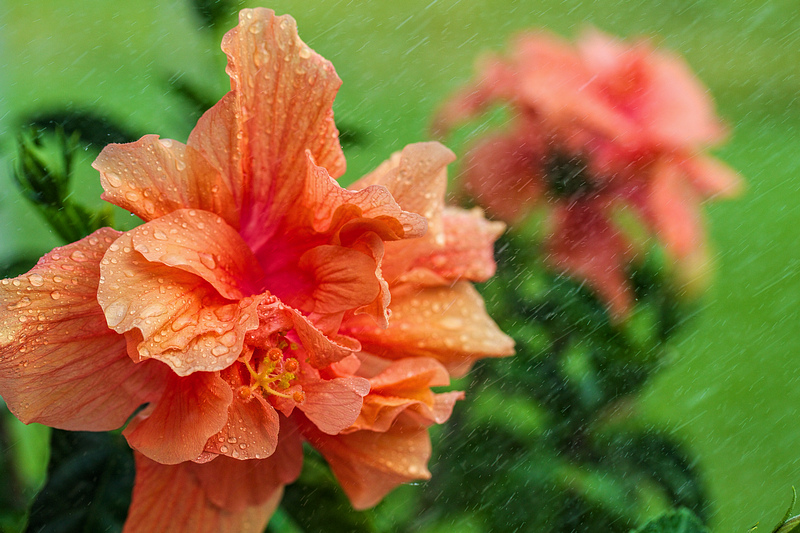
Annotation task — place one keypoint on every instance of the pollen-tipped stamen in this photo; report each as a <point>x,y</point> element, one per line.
<point>276,372</point>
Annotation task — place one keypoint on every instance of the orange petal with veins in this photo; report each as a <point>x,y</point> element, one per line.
<point>153,177</point>
<point>60,364</point>
<point>184,320</point>
<point>168,498</point>
<point>449,324</point>
<point>369,464</point>
<point>177,427</point>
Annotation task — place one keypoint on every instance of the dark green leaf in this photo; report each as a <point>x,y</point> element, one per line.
<point>89,484</point>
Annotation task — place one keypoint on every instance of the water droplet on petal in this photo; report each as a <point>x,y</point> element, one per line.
<point>36,280</point>
<point>55,295</point>
<point>24,302</point>
<point>167,143</point>
<point>113,179</point>
<point>153,310</point>
<point>160,235</point>
<point>219,350</point>
<point>116,312</point>
<point>207,260</point>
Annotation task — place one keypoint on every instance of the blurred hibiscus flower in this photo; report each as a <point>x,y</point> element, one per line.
<point>259,305</point>
<point>597,126</point>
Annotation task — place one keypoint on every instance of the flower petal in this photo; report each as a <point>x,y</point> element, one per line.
<point>284,94</point>
<point>466,251</point>
<point>251,431</point>
<point>404,386</point>
<point>168,498</point>
<point>449,324</point>
<point>505,173</point>
<point>584,244</point>
<point>235,484</point>
<point>369,464</point>
<point>60,364</point>
<point>152,177</point>
<point>183,319</point>
<point>176,429</point>
<point>417,179</point>
<point>333,405</point>
<point>344,279</point>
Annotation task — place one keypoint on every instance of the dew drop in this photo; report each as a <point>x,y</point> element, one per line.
<point>219,350</point>
<point>24,302</point>
<point>229,339</point>
<point>208,260</point>
<point>223,449</point>
<point>166,143</point>
<point>115,313</point>
<point>113,179</point>
<point>36,280</point>
<point>133,196</point>
<point>180,165</point>
<point>153,310</point>
<point>55,295</point>
<point>160,235</point>
<point>451,323</point>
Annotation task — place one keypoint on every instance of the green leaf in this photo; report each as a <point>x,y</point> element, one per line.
<point>680,521</point>
<point>89,484</point>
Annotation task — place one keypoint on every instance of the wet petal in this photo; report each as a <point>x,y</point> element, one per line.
<point>404,387</point>
<point>348,214</point>
<point>176,429</point>
<point>168,498</point>
<point>60,364</point>
<point>236,484</point>
<point>283,95</point>
<point>152,177</point>
<point>417,179</point>
<point>203,244</point>
<point>466,251</point>
<point>711,177</point>
<point>323,351</point>
<point>183,320</point>
<point>333,405</point>
<point>251,431</point>
<point>369,464</point>
<point>344,279</point>
<point>449,324</point>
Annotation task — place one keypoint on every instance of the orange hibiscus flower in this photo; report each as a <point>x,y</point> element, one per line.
<point>598,126</point>
<point>260,303</point>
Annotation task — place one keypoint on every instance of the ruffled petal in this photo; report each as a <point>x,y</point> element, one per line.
<point>168,498</point>
<point>417,179</point>
<point>322,350</point>
<point>237,484</point>
<point>343,278</point>
<point>333,405</point>
<point>60,364</point>
<point>251,431</point>
<point>466,251</point>
<point>676,213</point>
<point>369,464</point>
<point>183,319</point>
<point>176,429</point>
<point>345,214</point>
<point>449,324</point>
<point>153,177</point>
<point>283,94</point>
<point>404,387</point>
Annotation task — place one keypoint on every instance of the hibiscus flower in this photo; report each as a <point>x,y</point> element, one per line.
<point>260,304</point>
<point>597,126</point>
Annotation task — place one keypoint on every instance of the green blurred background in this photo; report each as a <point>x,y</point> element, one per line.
<point>731,390</point>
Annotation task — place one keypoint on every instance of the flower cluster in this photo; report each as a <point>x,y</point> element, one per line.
<point>259,305</point>
<point>599,127</point>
